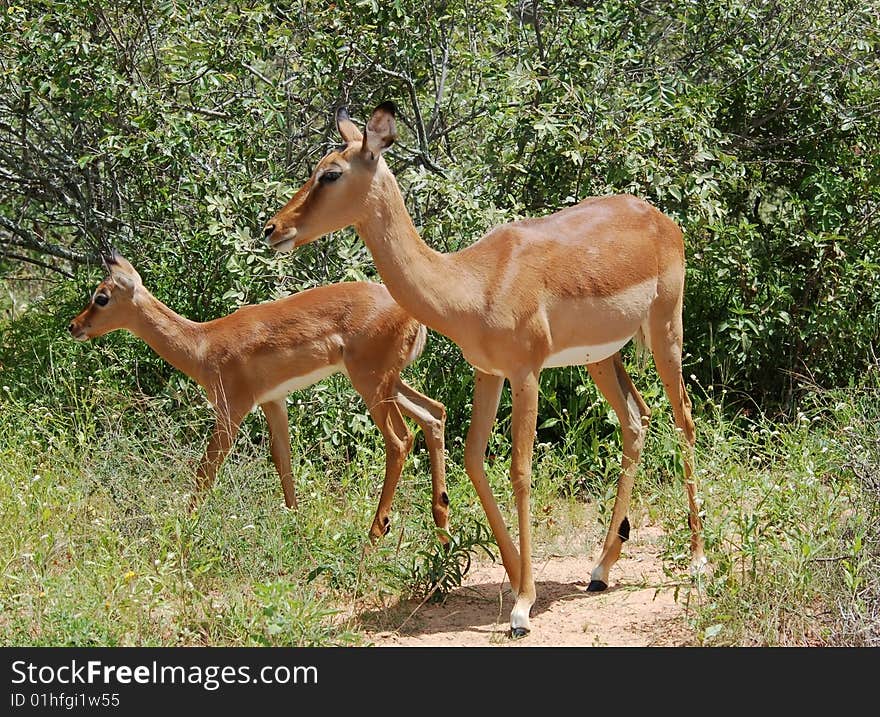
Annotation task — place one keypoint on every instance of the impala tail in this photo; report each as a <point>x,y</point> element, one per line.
<point>418,344</point>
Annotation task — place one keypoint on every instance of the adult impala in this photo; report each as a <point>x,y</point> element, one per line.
<point>260,353</point>
<point>566,289</point>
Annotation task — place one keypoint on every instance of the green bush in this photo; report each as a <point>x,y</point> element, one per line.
<point>174,140</point>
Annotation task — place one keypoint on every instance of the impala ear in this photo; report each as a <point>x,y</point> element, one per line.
<point>347,128</point>
<point>108,259</point>
<point>122,272</point>
<point>381,130</point>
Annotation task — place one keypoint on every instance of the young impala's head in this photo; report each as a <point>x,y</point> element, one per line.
<point>333,197</point>
<point>112,304</point>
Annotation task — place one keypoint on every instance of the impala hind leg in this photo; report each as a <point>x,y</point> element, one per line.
<point>430,415</point>
<point>225,430</point>
<point>398,443</point>
<point>614,383</point>
<point>666,343</point>
<point>279,433</point>
<point>487,393</point>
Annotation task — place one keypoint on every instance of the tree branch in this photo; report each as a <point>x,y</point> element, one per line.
<point>256,73</point>
<point>423,154</point>
<point>29,240</point>
<point>35,262</point>
<point>202,111</point>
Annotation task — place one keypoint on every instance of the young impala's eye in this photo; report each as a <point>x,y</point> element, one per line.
<point>102,299</point>
<point>330,176</point>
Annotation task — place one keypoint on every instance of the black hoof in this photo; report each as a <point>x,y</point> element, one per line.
<point>596,586</point>
<point>517,632</point>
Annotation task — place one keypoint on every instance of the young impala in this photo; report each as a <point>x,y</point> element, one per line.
<point>260,353</point>
<point>566,289</point>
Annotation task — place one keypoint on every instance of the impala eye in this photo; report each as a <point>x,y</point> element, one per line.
<point>102,299</point>
<point>328,177</point>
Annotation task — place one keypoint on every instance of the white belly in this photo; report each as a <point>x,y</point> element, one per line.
<point>298,382</point>
<point>580,355</point>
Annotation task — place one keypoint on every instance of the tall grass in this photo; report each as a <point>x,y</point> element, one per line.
<point>96,547</point>
<point>791,524</point>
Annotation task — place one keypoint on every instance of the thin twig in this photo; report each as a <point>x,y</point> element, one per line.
<point>424,153</point>
<point>35,262</point>
<point>418,607</point>
<point>29,240</point>
<point>203,111</point>
<point>254,71</point>
<point>836,559</point>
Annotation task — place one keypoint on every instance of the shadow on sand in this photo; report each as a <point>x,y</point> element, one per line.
<point>482,608</point>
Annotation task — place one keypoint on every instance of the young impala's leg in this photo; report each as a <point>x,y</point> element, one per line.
<point>225,430</point>
<point>279,433</point>
<point>398,443</point>
<point>487,393</point>
<point>666,343</point>
<point>430,415</point>
<point>378,394</point>
<point>525,413</point>
<point>615,384</point>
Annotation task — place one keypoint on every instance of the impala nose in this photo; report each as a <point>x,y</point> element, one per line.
<point>71,328</point>
<point>283,239</point>
<point>267,232</point>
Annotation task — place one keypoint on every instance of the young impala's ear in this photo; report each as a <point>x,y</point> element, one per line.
<point>122,272</point>
<point>347,128</point>
<point>381,130</point>
<point>107,259</point>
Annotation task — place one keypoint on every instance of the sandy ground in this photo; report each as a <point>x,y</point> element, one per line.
<point>638,609</point>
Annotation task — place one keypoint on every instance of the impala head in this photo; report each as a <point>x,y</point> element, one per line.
<point>334,196</point>
<point>112,302</point>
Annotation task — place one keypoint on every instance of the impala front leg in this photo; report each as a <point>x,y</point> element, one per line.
<point>525,414</point>
<point>487,393</point>
<point>279,435</point>
<point>225,430</point>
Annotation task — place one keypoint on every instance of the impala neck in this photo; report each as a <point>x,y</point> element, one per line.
<point>174,338</point>
<point>429,285</point>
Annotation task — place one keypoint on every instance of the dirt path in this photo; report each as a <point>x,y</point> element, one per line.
<point>638,609</point>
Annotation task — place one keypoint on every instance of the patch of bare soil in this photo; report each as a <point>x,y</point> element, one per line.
<point>638,609</point>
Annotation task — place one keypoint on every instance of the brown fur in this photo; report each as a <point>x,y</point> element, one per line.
<point>599,273</point>
<point>238,359</point>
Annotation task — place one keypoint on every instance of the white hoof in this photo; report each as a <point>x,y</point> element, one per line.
<point>700,568</point>
<point>519,618</point>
